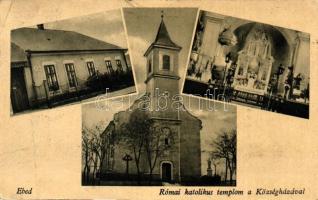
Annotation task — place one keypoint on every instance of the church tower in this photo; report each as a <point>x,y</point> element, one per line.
<point>162,88</point>
<point>162,63</point>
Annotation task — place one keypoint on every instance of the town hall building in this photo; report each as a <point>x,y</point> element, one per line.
<point>52,67</point>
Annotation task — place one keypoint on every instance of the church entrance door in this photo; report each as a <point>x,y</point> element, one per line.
<point>166,172</point>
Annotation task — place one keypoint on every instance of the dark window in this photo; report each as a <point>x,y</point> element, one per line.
<point>241,71</point>
<point>91,68</point>
<point>149,66</point>
<point>166,141</point>
<point>112,152</point>
<point>109,67</point>
<point>166,62</point>
<point>51,78</point>
<point>71,75</point>
<point>119,66</point>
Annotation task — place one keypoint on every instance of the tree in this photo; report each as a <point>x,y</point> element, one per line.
<point>157,140</point>
<point>225,148</point>
<point>215,162</point>
<point>134,133</point>
<point>85,154</point>
<point>95,148</point>
<point>232,150</point>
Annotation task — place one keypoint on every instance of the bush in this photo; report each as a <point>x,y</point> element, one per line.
<point>114,81</point>
<point>94,82</point>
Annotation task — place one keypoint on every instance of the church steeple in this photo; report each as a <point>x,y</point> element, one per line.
<point>162,63</point>
<point>163,38</point>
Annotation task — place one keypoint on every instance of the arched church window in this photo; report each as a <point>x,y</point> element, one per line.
<point>149,66</point>
<point>166,62</point>
<point>166,141</point>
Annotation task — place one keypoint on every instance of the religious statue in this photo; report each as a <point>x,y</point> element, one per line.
<point>251,80</point>
<point>198,36</point>
<point>280,70</point>
<point>197,42</point>
<point>305,94</point>
<point>191,68</point>
<point>209,169</point>
<point>214,73</point>
<point>198,74</point>
<point>206,71</point>
<point>289,83</point>
<point>229,77</point>
<point>297,81</point>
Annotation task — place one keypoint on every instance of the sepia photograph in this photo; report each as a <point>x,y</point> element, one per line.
<point>160,99</point>
<point>127,142</point>
<point>251,64</point>
<point>67,61</point>
<point>159,137</point>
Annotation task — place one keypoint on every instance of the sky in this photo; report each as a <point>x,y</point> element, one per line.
<point>142,25</point>
<point>106,26</point>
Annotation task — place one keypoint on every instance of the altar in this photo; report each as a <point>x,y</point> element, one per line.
<point>254,63</point>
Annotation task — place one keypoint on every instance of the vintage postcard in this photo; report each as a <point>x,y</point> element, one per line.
<point>162,99</point>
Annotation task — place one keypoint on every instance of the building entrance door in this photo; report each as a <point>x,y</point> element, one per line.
<point>19,96</point>
<point>166,172</point>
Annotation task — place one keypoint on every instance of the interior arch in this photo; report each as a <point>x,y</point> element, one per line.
<point>280,47</point>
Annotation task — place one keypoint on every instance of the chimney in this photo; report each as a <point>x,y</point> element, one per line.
<point>40,26</point>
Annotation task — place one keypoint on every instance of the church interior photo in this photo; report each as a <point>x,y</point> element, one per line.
<point>250,63</point>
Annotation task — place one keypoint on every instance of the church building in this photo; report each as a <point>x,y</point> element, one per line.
<point>181,159</point>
